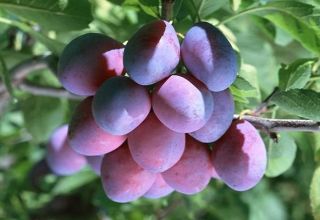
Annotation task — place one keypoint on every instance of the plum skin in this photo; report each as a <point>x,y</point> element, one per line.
<point>182,104</point>
<point>158,189</point>
<point>61,158</point>
<point>219,121</point>
<point>239,156</point>
<point>155,147</point>
<point>120,105</point>
<point>123,180</point>
<point>86,137</point>
<point>192,173</point>
<point>152,53</point>
<point>209,56</point>
<point>84,63</point>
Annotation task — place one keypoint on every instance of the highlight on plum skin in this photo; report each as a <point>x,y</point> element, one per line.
<point>158,189</point>
<point>155,147</point>
<point>220,119</point>
<point>85,63</point>
<point>86,137</point>
<point>123,179</point>
<point>192,173</point>
<point>95,163</point>
<point>152,53</point>
<point>209,56</point>
<point>239,156</point>
<point>181,104</point>
<point>120,105</point>
<point>61,158</point>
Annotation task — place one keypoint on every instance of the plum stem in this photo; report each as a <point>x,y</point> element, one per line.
<point>166,9</point>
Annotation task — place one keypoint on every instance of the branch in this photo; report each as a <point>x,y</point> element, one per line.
<point>277,125</point>
<point>20,72</point>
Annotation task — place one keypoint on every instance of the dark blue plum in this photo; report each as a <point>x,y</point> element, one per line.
<point>120,105</point>
<point>220,119</point>
<point>209,56</point>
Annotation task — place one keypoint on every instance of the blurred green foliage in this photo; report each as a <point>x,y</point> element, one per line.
<point>278,43</point>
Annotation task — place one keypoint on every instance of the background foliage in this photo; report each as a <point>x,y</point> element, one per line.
<point>278,43</point>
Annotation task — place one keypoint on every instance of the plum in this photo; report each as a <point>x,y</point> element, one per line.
<point>123,179</point>
<point>158,189</point>
<point>152,53</point>
<point>86,137</point>
<point>155,147</point>
<point>192,173</point>
<point>220,119</point>
<point>182,104</point>
<point>209,56</point>
<point>120,105</point>
<point>239,156</point>
<point>87,61</point>
<point>61,158</point>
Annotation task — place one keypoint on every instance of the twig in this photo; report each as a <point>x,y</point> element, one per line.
<point>264,104</point>
<point>47,91</point>
<point>277,125</point>
<point>20,72</point>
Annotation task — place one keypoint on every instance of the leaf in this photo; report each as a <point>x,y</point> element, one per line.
<point>5,76</point>
<point>281,155</point>
<point>301,102</point>
<point>42,115</point>
<point>296,75</point>
<point>70,183</point>
<point>242,84</point>
<point>59,15</point>
<point>201,8</point>
<point>315,194</point>
<point>55,46</point>
<point>298,29</point>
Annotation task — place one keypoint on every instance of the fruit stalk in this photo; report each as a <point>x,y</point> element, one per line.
<point>166,9</point>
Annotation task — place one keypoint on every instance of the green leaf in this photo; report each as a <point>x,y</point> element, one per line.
<point>55,46</point>
<point>281,155</point>
<point>5,76</point>
<point>70,183</point>
<point>242,84</point>
<point>59,15</point>
<point>300,102</point>
<point>207,7</point>
<point>315,194</point>
<point>296,75</point>
<point>42,115</point>
<point>298,29</point>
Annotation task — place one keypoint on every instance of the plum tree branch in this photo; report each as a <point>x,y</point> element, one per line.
<point>277,125</point>
<point>19,73</point>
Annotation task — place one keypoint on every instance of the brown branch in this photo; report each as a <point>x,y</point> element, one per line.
<point>20,72</point>
<point>277,125</point>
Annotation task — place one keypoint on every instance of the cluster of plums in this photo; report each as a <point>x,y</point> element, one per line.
<point>147,132</point>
